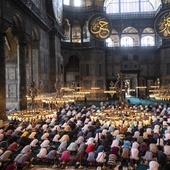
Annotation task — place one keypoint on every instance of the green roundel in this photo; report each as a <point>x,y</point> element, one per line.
<point>162,24</point>
<point>99,26</point>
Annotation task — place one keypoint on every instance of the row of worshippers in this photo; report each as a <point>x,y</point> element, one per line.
<point>71,134</point>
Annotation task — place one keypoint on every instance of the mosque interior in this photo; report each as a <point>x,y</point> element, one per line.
<point>78,48</point>
<point>54,52</point>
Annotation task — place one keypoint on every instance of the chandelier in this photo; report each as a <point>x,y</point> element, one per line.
<point>160,92</point>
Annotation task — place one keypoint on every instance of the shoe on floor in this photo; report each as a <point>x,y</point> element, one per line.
<point>80,167</point>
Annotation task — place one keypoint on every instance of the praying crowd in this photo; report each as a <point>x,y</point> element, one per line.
<point>71,138</point>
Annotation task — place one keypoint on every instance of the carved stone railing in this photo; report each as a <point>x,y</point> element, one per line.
<point>36,11</point>
<point>83,8</point>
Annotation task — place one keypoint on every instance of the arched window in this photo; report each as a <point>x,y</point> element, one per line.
<point>66,28</point>
<point>76,32</point>
<point>147,41</point>
<point>74,3</point>
<point>109,42</point>
<point>66,2</point>
<point>127,42</point>
<point>133,39</point>
<point>77,3</point>
<point>113,40</point>
<point>86,33</point>
<point>148,37</point>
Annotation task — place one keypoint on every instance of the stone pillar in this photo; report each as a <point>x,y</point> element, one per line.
<point>35,63</point>
<point>22,90</point>
<point>53,62</point>
<point>71,33</point>
<point>2,74</point>
<point>2,66</point>
<point>81,34</point>
<point>140,39</point>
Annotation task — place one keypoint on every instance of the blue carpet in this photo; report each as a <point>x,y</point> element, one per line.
<point>135,100</point>
<point>142,167</point>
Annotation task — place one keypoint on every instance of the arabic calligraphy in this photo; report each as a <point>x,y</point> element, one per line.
<point>163,25</point>
<point>99,27</point>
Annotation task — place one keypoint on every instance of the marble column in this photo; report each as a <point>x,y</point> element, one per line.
<point>22,90</point>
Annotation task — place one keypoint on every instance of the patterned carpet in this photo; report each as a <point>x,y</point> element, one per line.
<point>38,167</point>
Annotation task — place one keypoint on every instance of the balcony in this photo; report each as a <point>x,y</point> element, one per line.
<point>33,9</point>
<point>84,45</point>
<point>83,8</point>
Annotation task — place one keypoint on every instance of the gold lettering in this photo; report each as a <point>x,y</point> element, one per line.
<point>95,26</point>
<point>164,25</point>
<point>100,27</point>
<point>104,33</point>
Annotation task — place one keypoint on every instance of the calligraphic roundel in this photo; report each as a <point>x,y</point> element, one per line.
<point>162,24</point>
<point>99,26</point>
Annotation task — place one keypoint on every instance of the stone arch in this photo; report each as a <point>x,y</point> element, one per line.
<point>17,23</point>
<point>131,33</point>
<point>35,34</point>
<point>72,70</point>
<point>148,37</point>
<point>73,63</point>
<point>76,32</point>
<point>113,40</point>
<point>66,28</point>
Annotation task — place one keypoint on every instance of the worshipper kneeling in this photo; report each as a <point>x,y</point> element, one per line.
<point>13,147</point>
<point>111,163</point>
<point>134,157</point>
<point>115,149</point>
<point>3,145</point>
<point>5,157</point>
<point>134,154</point>
<point>52,157</point>
<point>72,147</point>
<point>11,166</point>
<point>147,157</point>
<point>125,150</point>
<point>23,160</point>
<point>79,159</point>
<point>64,159</point>
<point>101,159</point>
<point>166,161</point>
<point>91,158</point>
<point>42,154</point>
<point>153,165</point>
